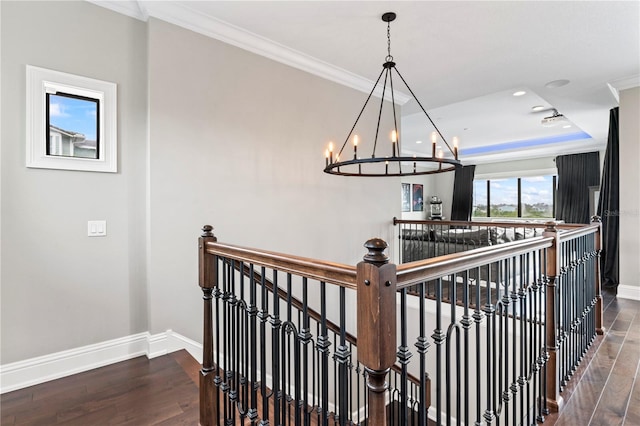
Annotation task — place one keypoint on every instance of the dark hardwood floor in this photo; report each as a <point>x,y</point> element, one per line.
<point>160,391</point>
<point>605,390</point>
<point>164,390</point>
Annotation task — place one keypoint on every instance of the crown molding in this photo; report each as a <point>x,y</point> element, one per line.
<point>625,83</point>
<point>186,17</point>
<point>132,8</point>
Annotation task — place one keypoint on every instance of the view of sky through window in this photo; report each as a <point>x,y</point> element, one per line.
<point>72,114</point>
<point>536,197</point>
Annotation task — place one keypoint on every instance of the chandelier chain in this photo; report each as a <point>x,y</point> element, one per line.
<point>389,58</point>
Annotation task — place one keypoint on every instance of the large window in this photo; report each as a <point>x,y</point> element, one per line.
<point>529,197</point>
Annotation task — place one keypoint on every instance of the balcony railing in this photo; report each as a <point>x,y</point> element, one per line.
<point>296,341</point>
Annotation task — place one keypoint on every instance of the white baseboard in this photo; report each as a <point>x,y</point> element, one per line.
<point>170,341</point>
<point>21,374</point>
<point>628,292</point>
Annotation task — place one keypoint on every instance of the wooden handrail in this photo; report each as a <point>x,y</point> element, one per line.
<point>329,272</point>
<point>430,269</point>
<point>397,221</point>
<point>562,226</point>
<point>577,231</point>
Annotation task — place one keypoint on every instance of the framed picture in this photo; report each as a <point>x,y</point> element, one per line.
<point>406,197</point>
<point>418,197</point>
<point>71,122</point>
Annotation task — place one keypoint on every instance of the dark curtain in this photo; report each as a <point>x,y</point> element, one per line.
<point>462,204</point>
<point>576,173</point>
<point>609,206</point>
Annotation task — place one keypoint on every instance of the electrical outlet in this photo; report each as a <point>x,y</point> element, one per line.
<point>97,228</point>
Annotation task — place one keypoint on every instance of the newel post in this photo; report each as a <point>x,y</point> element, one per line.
<point>596,220</point>
<point>376,279</point>
<point>208,281</point>
<point>554,399</point>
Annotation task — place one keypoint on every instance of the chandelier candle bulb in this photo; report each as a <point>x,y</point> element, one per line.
<point>355,147</point>
<point>433,144</point>
<point>455,147</point>
<point>394,140</point>
<point>386,167</point>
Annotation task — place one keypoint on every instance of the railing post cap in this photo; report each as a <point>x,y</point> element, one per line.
<point>551,226</point>
<point>376,247</point>
<point>206,231</point>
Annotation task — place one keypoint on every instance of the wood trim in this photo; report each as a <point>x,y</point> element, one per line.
<point>397,221</point>
<point>562,226</point>
<point>434,268</point>
<point>570,233</point>
<point>329,272</point>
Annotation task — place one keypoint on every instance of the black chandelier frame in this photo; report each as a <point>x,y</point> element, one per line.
<point>436,163</point>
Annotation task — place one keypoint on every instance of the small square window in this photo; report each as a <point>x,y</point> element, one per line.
<point>73,129</point>
<point>71,122</point>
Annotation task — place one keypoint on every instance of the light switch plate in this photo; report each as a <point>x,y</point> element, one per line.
<point>97,228</point>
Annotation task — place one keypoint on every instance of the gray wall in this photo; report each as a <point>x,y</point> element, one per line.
<point>207,133</point>
<point>61,289</point>
<point>237,141</point>
<point>630,191</point>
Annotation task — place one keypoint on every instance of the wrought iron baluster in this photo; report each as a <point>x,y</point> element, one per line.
<point>524,333</point>
<point>263,316</point>
<point>403,356</point>
<point>275,347</point>
<point>232,373</point>
<point>422,345</point>
<point>466,325</point>
<point>305,339</point>
<point>478,315</point>
<point>323,349</point>
<point>489,311</point>
<point>438,337</point>
<point>218,295</point>
<point>343,356</point>
<point>451,330</point>
<point>252,347</point>
<point>513,385</point>
<point>226,368</point>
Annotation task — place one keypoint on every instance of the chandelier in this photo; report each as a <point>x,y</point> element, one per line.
<point>393,163</point>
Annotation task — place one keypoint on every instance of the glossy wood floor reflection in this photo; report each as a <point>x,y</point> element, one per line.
<point>160,391</point>
<point>163,391</point>
<point>605,390</point>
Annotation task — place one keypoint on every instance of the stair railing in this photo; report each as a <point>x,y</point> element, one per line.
<point>267,360</point>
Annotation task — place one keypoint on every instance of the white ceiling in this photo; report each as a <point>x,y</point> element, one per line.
<point>462,59</point>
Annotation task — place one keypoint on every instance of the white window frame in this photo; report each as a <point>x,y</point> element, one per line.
<point>41,81</point>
